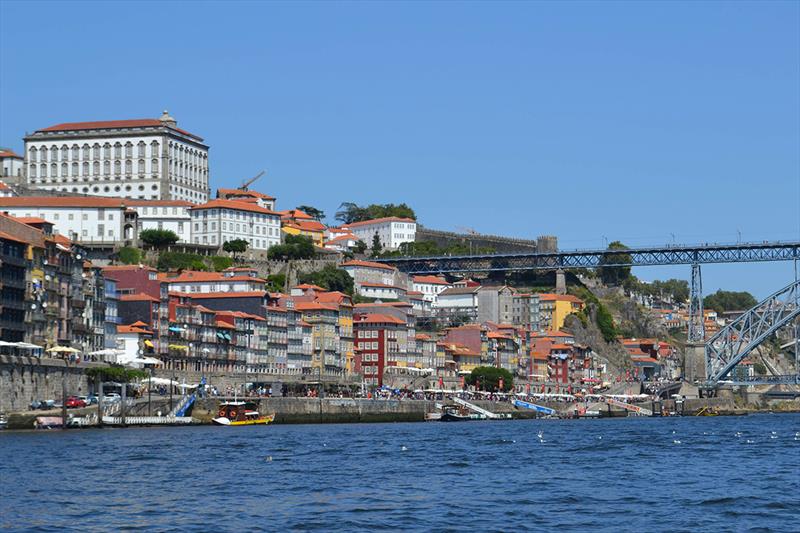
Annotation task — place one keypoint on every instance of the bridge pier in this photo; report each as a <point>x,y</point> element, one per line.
<point>694,362</point>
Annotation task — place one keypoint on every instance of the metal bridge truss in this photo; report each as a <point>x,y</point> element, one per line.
<point>668,255</point>
<point>738,339</point>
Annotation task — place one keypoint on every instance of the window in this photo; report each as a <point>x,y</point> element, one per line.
<point>64,170</point>
<point>106,168</point>
<point>33,171</point>
<point>128,167</point>
<point>71,216</point>
<point>75,151</point>
<point>64,153</point>
<point>118,150</point>
<point>85,168</point>
<point>141,166</point>
<point>100,230</point>
<point>154,149</point>
<point>117,167</point>
<point>86,151</point>
<point>75,170</point>
<point>141,149</point>
<point>34,155</point>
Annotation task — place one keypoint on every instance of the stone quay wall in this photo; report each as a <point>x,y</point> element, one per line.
<point>25,379</point>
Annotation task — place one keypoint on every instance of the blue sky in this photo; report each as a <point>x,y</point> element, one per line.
<point>589,121</point>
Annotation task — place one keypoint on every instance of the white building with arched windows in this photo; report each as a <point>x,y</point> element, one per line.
<point>148,159</point>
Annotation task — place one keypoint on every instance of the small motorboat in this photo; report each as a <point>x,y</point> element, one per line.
<point>241,414</point>
<point>453,414</point>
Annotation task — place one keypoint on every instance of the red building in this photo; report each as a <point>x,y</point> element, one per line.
<point>376,345</point>
<point>134,279</point>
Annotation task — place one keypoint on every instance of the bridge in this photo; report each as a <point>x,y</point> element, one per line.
<point>723,351</point>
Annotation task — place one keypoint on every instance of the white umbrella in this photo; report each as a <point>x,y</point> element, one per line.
<point>62,349</point>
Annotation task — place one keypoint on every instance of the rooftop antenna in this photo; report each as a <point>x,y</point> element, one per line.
<point>247,183</point>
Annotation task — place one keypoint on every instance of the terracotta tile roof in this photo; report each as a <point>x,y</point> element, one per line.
<point>239,192</point>
<point>312,306</point>
<point>115,124</point>
<point>430,280</point>
<point>307,286</point>
<point>377,221</point>
<point>422,337</point>
<point>305,225</point>
<point>199,276</point>
<point>15,238</point>
<point>366,264</point>
<point>345,237</point>
<point>295,213</point>
<point>548,297</point>
<point>9,153</point>
<point>132,329</point>
<point>33,220</point>
<point>233,204</point>
<point>205,295</point>
<point>139,297</point>
<point>61,201</point>
<point>376,318</point>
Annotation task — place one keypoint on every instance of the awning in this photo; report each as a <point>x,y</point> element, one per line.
<point>149,343</point>
<point>175,329</point>
<point>227,336</point>
<point>146,361</point>
<point>220,335</point>
<point>178,347</point>
<point>62,349</point>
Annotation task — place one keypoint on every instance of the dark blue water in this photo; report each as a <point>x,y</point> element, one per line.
<point>676,474</point>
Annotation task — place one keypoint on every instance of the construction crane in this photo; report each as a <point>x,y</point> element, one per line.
<point>247,183</point>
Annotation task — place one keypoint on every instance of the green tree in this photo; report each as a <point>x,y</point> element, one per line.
<point>220,263</point>
<point>376,245</point>
<point>312,211</point>
<point>330,278</point>
<point>180,261</point>
<point>759,368</point>
<point>294,247</point>
<point>129,255</point>
<point>235,247</point>
<point>360,247</point>
<point>158,238</point>
<point>277,282</point>
<point>722,301</point>
<point>615,276</point>
<point>487,378</point>
<point>350,212</point>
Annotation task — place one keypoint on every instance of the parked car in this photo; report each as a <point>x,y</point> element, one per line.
<point>112,398</point>
<point>90,400</point>
<point>74,402</point>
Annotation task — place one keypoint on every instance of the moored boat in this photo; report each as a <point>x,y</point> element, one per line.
<point>240,414</point>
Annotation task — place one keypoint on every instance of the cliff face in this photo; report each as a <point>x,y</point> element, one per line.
<point>590,335</point>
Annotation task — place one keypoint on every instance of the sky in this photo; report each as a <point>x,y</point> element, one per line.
<point>648,122</point>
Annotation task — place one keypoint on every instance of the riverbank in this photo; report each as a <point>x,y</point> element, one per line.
<point>294,410</point>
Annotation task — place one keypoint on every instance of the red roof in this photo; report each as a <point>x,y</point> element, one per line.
<point>305,225</point>
<point>430,280</point>
<point>199,276</point>
<point>61,201</point>
<point>165,203</point>
<point>132,329</point>
<point>232,294</point>
<point>115,124</point>
<point>295,213</point>
<point>140,297</point>
<point>377,221</point>
<point>376,318</point>
<point>366,264</point>
<point>9,153</point>
<point>33,220</point>
<point>306,286</point>
<point>233,204</point>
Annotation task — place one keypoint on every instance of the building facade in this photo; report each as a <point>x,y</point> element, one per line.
<point>220,221</point>
<point>143,158</point>
<point>392,231</point>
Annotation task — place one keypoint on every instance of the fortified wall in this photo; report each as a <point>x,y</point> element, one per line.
<point>543,243</point>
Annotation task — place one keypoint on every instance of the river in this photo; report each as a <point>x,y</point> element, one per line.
<point>644,474</point>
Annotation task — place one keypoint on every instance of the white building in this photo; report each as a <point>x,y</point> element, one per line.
<point>82,219</point>
<point>380,290</point>
<point>12,165</point>
<point>392,231</point>
<point>219,221</point>
<point>262,200</point>
<point>170,215</point>
<point>429,286</point>
<point>144,159</point>
<point>212,282</point>
<point>460,301</point>
<point>369,272</point>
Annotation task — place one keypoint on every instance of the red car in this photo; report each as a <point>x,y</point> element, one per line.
<point>74,401</point>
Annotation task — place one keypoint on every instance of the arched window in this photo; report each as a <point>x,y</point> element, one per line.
<point>74,169</point>
<point>117,167</point>
<point>96,150</point>
<point>53,170</point>
<point>85,168</point>
<point>75,151</point>
<point>154,166</point>
<point>34,155</point>
<point>107,150</point>
<point>32,170</point>
<point>141,165</point>
<point>64,170</point>
<point>64,153</point>
<point>43,170</point>
<point>128,149</point>
<point>86,151</point>
<point>96,168</point>
<point>107,167</point>
<point>142,149</point>
<point>154,149</point>
<point>128,167</point>
<point>118,150</point>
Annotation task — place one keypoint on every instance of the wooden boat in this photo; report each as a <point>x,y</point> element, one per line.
<point>240,414</point>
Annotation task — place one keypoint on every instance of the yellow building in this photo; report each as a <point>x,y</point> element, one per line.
<point>296,222</point>
<point>554,308</point>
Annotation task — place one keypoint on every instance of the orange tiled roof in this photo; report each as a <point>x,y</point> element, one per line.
<point>430,280</point>
<point>366,264</point>
<point>234,204</point>
<point>114,124</point>
<point>376,318</point>
<point>139,297</point>
<point>61,201</point>
<point>239,192</point>
<point>231,294</point>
